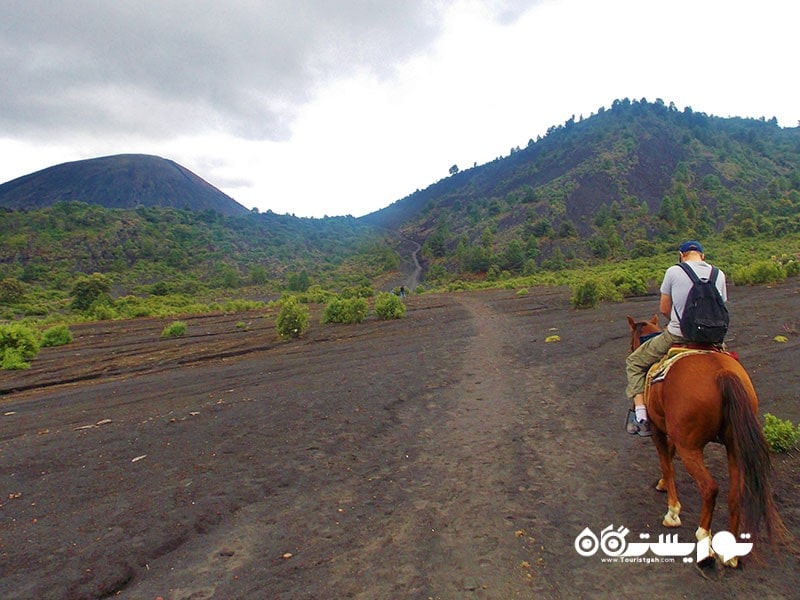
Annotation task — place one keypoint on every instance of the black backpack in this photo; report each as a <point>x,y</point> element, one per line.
<point>705,318</point>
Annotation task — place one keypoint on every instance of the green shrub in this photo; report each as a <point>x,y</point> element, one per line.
<point>292,320</point>
<point>643,248</point>
<point>59,335</point>
<point>629,285</point>
<point>101,310</point>
<point>20,339</point>
<point>12,360</point>
<point>174,329</point>
<point>586,294</point>
<point>766,271</point>
<point>389,306</point>
<point>161,288</point>
<point>781,435</point>
<point>88,289</point>
<point>11,290</point>
<point>345,310</point>
<point>315,294</point>
<point>457,286</point>
<point>361,291</point>
<point>792,268</point>
<point>590,292</point>
<point>238,305</point>
<point>299,282</point>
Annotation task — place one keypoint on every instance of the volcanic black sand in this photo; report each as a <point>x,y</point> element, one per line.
<point>454,453</point>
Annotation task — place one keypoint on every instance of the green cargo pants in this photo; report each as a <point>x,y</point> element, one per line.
<point>646,355</point>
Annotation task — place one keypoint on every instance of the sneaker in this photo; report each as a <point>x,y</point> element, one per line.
<point>635,427</point>
<point>631,426</point>
<point>644,429</point>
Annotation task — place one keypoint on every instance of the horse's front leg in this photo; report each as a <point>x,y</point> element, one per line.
<point>666,452</point>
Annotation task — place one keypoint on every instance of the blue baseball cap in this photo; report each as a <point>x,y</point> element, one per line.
<point>691,245</point>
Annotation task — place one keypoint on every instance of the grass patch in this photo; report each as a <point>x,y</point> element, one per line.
<point>174,329</point>
<point>782,435</point>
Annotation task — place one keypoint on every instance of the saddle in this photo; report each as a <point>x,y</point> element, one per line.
<point>658,372</point>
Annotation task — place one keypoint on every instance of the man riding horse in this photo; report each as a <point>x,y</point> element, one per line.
<point>674,291</point>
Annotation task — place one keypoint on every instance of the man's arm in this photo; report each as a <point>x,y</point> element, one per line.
<point>665,305</point>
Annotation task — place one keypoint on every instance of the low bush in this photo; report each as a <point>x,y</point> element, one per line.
<point>345,310</point>
<point>58,335</point>
<point>315,295</point>
<point>766,271</point>
<point>12,360</point>
<point>389,306</point>
<point>586,294</point>
<point>361,291</point>
<point>590,292</point>
<point>238,305</point>
<point>292,319</point>
<point>629,285</point>
<point>20,337</point>
<point>102,310</point>
<point>792,268</point>
<point>781,435</point>
<point>174,329</point>
<point>457,286</point>
<point>11,290</point>
<point>87,289</point>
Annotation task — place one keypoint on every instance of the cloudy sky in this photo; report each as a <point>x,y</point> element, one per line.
<point>334,107</point>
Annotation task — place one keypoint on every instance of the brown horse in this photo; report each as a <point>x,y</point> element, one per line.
<point>708,396</point>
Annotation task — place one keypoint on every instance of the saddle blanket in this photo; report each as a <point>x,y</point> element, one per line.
<point>659,370</point>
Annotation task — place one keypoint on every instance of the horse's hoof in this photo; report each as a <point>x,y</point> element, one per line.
<point>708,568</point>
<point>733,563</point>
<point>671,520</point>
<point>701,534</point>
<point>660,486</point>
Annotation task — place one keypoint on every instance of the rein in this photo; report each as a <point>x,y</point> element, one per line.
<point>642,338</point>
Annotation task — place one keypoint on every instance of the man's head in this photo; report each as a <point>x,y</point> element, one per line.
<point>691,250</point>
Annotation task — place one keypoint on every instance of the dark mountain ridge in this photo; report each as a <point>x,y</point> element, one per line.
<point>639,171</point>
<point>120,181</point>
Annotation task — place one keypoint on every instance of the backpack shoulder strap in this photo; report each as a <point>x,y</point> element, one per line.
<point>690,272</point>
<point>713,277</point>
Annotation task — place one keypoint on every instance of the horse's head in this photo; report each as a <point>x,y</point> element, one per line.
<point>641,331</point>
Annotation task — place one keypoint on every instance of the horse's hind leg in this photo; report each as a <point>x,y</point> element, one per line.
<point>692,459</point>
<point>666,452</point>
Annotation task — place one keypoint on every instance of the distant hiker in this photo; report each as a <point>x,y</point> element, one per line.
<point>674,293</point>
<point>402,291</point>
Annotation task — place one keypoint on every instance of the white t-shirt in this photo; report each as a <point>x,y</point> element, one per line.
<point>677,284</point>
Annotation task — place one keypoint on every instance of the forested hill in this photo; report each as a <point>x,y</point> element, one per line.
<point>627,182</point>
<point>121,181</point>
<point>623,179</point>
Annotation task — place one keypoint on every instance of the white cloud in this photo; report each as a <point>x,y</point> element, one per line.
<point>315,107</point>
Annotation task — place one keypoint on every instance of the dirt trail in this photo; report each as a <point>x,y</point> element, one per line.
<point>480,548</point>
<point>410,268</point>
<point>415,278</point>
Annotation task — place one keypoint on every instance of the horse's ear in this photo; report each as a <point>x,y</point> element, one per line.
<point>631,322</point>
<point>654,320</point>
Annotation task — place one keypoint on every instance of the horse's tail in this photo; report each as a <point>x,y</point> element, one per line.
<point>751,454</point>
